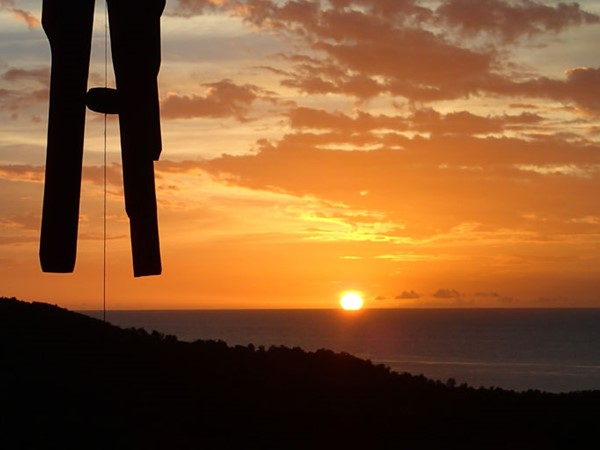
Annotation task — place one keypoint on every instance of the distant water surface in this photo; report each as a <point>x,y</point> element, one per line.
<point>555,350</point>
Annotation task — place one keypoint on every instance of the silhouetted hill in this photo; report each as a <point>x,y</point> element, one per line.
<point>70,381</point>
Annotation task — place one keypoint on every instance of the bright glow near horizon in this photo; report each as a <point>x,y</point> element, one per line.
<point>351,301</point>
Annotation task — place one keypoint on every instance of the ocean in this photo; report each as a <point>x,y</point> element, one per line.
<point>555,350</point>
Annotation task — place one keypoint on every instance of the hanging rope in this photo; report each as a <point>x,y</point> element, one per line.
<point>104,178</point>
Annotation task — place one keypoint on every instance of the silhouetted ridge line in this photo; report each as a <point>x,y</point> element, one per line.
<point>160,393</point>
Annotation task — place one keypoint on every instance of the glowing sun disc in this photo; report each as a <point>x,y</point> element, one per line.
<point>351,301</point>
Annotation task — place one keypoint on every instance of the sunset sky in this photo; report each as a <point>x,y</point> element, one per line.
<point>434,153</point>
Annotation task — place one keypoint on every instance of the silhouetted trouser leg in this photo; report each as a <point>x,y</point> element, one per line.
<point>135,44</point>
<point>68,25</point>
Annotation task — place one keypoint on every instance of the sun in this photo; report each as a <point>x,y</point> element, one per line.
<point>351,301</point>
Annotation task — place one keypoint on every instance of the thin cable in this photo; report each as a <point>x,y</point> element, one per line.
<point>104,180</point>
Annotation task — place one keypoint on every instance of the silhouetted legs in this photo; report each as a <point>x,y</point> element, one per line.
<point>135,43</point>
<point>68,25</point>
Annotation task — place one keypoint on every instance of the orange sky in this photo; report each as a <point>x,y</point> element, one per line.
<point>440,153</point>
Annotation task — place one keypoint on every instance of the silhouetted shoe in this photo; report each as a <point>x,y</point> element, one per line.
<point>103,100</point>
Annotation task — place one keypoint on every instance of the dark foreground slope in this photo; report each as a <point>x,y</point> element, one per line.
<point>70,381</point>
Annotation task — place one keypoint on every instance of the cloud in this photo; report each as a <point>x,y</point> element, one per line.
<point>95,175</point>
<point>447,293</point>
<point>425,120</point>
<point>25,95</point>
<point>408,295</point>
<point>363,40</point>
<point>22,172</point>
<point>35,174</point>
<point>20,14</point>
<point>11,240</point>
<point>41,75</point>
<point>372,47</point>
<point>311,118</point>
<point>523,106</point>
<point>443,188</point>
<point>221,99</point>
<point>463,122</point>
<point>15,100</point>
<point>189,8</point>
<point>411,63</point>
<point>581,86</point>
<point>511,20</point>
<point>27,221</point>
<point>186,166</point>
<point>367,48</point>
<point>505,19</point>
